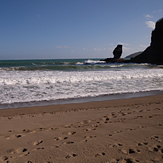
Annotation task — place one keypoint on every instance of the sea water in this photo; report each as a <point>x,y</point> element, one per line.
<point>36,81</point>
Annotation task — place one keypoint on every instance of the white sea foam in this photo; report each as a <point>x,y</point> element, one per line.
<point>27,86</point>
<point>93,62</point>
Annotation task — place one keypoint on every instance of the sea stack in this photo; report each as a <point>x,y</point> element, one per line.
<point>117,52</point>
<point>154,53</point>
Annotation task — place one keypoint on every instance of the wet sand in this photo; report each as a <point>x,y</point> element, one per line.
<point>117,131</point>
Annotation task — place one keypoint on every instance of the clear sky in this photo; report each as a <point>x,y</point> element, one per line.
<point>54,29</point>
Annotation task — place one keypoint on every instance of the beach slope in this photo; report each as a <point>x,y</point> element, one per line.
<point>117,131</point>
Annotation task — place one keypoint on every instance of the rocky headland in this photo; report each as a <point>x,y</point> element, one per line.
<point>152,54</point>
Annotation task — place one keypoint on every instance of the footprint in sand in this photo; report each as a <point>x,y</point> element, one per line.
<point>4,158</point>
<point>10,118</point>
<point>122,113</point>
<point>26,130</point>
<point>38,149</point>
<point>145,143</point>
<point>29,162</point>
<point>119,144</point>
<point>96,125</point>
<point>23,151</point>
<point>157,109</point>
<point>131,129</point>
<point>71,133</point>
<point>71,155</point>
<point>42,129</point>
<point>33,132</point>
<point>117,132</point>
<point>18,136</point>
<point>127,160</point>
<point>68,126</point>
<point>11,151</point>
<point>157,138</point>
<point>156,148</point>
<point>124,151</point>
<point>120,120</point>
<point>131,151</point>
<point>14,136</point>
<point>87,129</point>
<point>100,154</point>
<point>57,146</point>
<point>142,144</point>
<point>60,138</point>
<point>105,118</point>
<point>113,115</point>
<point>11,131</point>
<point>69,142</point>
<point>85,122</point>
<point>38,142</point>
<point>142,126</point>
<point>50,129</point>
<point>88,137</point>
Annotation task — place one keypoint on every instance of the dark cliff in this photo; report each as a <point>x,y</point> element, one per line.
<point>154,53</point>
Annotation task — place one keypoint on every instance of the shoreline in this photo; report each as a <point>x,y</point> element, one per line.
<point>124,130</point>
<point>82,100</point>
<point>79,106</point>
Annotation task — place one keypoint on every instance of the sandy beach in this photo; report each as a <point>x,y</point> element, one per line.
<point>117,131</point>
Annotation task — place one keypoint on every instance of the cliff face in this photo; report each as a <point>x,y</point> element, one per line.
<point>154,53</point>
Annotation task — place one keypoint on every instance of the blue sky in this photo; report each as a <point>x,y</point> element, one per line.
<point>54,29</point>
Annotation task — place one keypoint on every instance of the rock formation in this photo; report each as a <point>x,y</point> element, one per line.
<point>117,52</point>
<point>133,55</point>
<point>154,53</point>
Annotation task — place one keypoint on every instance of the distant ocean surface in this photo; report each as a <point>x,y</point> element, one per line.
<point>36,82</point>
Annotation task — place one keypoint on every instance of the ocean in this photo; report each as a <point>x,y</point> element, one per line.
<point>56,81</point>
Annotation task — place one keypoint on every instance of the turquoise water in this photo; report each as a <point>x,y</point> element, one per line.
<point>47,64</point>
<point>62,64</point>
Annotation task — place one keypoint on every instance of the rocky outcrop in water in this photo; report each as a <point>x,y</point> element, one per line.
<point>154,53</point>
<point>117,52</point>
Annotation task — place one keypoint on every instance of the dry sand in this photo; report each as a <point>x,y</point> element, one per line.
<point>118,131</point>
